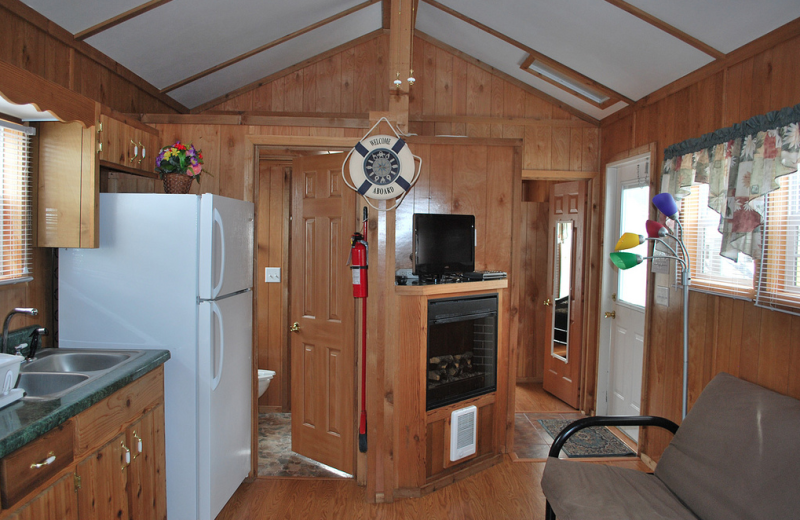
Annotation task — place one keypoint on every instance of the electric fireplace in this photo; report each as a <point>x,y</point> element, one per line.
<point>462,349</point>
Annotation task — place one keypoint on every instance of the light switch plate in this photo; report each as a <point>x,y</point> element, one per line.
<point>662,295</point>
<point>272,274</point>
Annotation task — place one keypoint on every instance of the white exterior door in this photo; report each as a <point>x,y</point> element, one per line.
<point>624,292</point>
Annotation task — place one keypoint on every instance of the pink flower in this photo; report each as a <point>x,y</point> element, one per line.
<point>196,168</point>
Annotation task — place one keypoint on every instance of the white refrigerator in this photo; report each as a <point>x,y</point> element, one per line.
<point>175,272</point>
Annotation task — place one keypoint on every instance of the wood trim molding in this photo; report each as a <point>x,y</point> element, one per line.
<point>517,121</point>
<point>21,87</point>
<point>288,70</point>
<point>667,28</point>
<point>258,118</point>
<point>17,8</point>
<point>769,40</point>
<point>506,77</point>
<point>120,18</point>
<point>557,175</point>
<point>537,55</point>
<point>473,141</point>
<point>267,46</point>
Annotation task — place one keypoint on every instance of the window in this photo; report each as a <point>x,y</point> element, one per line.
<point>15,204</point>
<point>634,207</point>
<point>710,271</point>
<point>773,280</point>
<point>779,275</point>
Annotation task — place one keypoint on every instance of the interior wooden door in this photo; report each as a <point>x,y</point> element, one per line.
<point>562,358</point>
<point>322,307</point>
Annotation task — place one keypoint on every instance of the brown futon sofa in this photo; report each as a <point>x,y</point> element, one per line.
<point>736,456</point>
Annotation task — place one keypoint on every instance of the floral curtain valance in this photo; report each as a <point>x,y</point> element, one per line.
<point>740,164</point>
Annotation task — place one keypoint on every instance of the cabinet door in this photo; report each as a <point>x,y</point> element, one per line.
<point>146,474</point>
<point>104,482</point>
<point>57,502</point>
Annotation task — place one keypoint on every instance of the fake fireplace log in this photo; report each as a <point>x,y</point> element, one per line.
<point>462,349</point>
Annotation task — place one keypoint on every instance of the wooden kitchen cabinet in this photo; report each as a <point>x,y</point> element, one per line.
<point>116,461</point>
<point>126,145</point>
<point>56,502</point>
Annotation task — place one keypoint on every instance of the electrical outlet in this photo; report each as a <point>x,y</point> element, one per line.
<point>272,274</point>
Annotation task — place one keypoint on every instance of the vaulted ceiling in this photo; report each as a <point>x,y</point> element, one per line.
<point>610,53</point>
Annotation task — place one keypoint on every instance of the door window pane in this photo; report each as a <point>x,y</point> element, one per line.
<point>634,209</point>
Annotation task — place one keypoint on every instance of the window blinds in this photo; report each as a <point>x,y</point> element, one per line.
<point>15,204</point>
<point>710,271</point>
<point>779,272</point>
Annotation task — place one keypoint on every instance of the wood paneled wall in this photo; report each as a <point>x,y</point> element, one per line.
<point>728,335</point>
<point>352,81</point>
<point>34,43</point>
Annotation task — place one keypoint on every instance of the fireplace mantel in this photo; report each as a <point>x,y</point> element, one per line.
<point>449,288</point>
<point>421,464</point>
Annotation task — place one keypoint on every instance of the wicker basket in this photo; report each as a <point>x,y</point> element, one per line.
<point>177,183</point>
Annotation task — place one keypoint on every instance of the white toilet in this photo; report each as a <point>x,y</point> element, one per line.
<point>264,377</point>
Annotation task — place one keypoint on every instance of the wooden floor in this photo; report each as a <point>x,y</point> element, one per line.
<point>531,398</point>
<point>506,491</point>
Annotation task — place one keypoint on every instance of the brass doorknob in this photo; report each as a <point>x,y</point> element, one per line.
<point>547,302</point>
<point>612,314</point>
<point>295,327</point>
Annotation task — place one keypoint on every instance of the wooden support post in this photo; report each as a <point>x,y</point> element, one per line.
<point>402,14</point>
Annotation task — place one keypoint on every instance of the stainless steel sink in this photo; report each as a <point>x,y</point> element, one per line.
<point>54,373</point>
<point>50,385</point>
<point>76,362</point>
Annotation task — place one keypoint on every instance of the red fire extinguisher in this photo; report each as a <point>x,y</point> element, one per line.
<point>358,255</point>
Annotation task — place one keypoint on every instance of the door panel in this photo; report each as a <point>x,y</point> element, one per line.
<point>562,363</point>
<point>323,370</point>
<point>104,482</point>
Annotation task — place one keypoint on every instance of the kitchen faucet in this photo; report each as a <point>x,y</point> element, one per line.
<point>17,310</point>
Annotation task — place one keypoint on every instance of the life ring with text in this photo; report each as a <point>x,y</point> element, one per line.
<point>381,167</point>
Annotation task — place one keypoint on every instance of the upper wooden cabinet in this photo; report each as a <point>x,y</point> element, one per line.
<point>126,145</point>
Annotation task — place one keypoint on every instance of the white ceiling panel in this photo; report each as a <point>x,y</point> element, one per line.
<point>497,53</point>
<point>278,58</point>
<point>592,37</point>
<point>77,16</point>
<point>725,25</point>
<point>184,37</point>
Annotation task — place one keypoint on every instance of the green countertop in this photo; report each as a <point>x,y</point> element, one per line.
<point>25,420</point>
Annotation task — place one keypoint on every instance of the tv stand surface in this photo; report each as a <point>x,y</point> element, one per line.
<point>446,288</point>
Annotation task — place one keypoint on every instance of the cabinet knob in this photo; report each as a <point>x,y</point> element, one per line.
<point>127,455</point>
<point>547,302</point>
<point>139,445</point>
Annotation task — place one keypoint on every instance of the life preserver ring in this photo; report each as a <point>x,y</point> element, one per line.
<point>382,167</point>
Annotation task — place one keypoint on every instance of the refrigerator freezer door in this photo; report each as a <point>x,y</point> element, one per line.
<point>224,399</point>
<point>226,246</point>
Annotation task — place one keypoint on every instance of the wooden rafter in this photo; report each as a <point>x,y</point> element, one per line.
<point>386,9</point>
<point>120,18</point>
<point>400,58</point>
<point>667,28</point>
<point>267,46</point>
<point>577,76</point>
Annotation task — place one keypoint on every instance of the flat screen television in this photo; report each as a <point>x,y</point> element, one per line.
<point>443,244</point>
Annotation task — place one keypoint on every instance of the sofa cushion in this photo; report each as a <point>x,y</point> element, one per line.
<point>587,491</point>
<point>736,455</point>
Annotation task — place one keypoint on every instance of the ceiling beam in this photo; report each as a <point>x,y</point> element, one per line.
<point>577,76</point>
<point>120,18</point>
<point>267,46</point>
<point>667,28</point>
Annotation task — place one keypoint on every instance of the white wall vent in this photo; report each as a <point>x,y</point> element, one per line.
<point>463,432</point>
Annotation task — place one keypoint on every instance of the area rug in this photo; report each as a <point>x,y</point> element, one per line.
<point>597,441</point>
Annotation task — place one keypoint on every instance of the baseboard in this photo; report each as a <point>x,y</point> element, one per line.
<point>530,379</point>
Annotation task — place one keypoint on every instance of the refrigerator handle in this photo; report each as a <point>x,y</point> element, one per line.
<point>216,377</point>
<point>218,222</point>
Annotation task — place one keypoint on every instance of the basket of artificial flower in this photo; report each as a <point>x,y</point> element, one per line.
<point>177,166</point>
